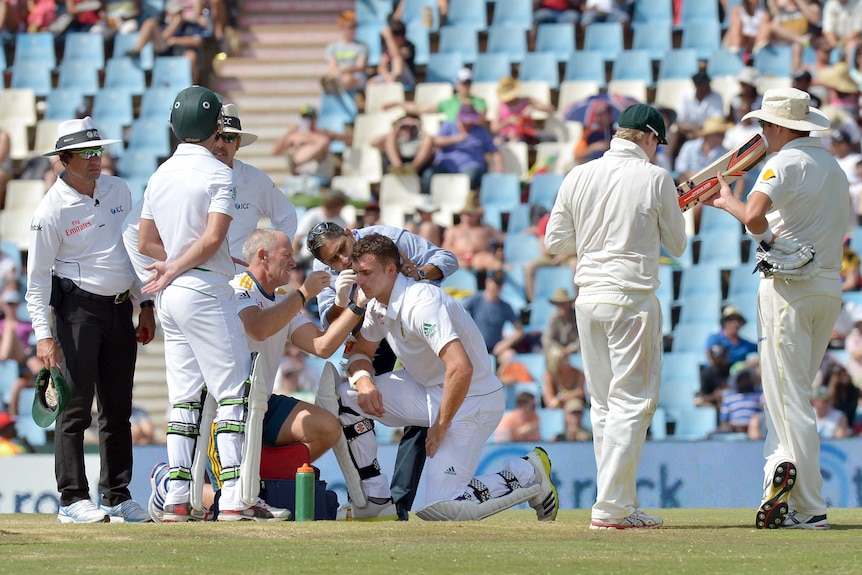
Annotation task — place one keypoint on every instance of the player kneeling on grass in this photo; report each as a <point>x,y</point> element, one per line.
<point>447,385</point>
<point>271,316</point>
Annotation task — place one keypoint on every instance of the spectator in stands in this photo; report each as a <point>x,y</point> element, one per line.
<point>143,432</point>
<point>179,33</point>
<point>307,146</point>
<point>606,11</point>
<point>743,130</point>
<point>40,14</point>
<point>844,149</point>
<point>741,402</point>
<point>545,259</point>
<point>514,122</point>
<point>856,196</point>
<point>693,110</point>
<point>596,137</point>
<point>850,275</point>
<point>442,8</point>
<point>406,148</point>
<point>699,153</point>
<point>574,431</point>
<point>346,59</point>
<point>556,11</point>
<point>491,315</point>
<point>450,107</point>
<point>461,148</point>
<point>13,14</point>
<point>521,423</point>
<point>746,19</point>
<point>845,395</point>
<point>748,93</point>
<point>561,380</point>
<point>397,59</point>
<point>15,346</point>
<point>371,215</point>
<point>738,347</point>
<point>788,22</point>
<point>831,422</point>
<point>333,201</point>
<point>9,443</point>
<point>79,16</point>
<point>117,17</point>
<point>842,25</point>
<point>474,243</point>
<point>5,164</point>
<point>843,90</point>
<point>802,81</point>
<point>422,224</point>
<point>714,377</point>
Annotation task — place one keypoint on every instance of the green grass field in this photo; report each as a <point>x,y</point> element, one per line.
<point>703,541</point>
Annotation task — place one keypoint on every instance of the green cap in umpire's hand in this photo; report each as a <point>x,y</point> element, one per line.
<point>196,114</point>
<point>644,118</point>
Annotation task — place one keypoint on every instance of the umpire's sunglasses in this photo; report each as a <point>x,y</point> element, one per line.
<point>228,138</point>
<point>314,240</point>
<point>89,153</point>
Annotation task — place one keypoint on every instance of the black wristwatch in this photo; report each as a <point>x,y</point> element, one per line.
<point>355,308</point>
<point>422,276</point>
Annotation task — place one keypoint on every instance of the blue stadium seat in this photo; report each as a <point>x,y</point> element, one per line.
<point>723,63</point>
<point>124,73</point>
<point>697,12</point>
<point>137,185</point>
<point>35,47</point>
<point>742,284</point>
<point>510,40</point>
<point>606,38</point>
<point>369,34</point>
<point>540,309</point>
<point>491,67</point>
<point>552,422</point>
<point>421,44</point>
<point>25,426</point>
<point>515,13</point>
<point>113,105</point>
<point>550,278</point>
<point>139,163</point>
<point>774,61</point>
<point>334,124</point>
<point>458,40</point>
<point>586,65</point>
<point>658,426</point>
<point>467,14</point>
<point>721,248</point>
<point>702,37</point>
<point>680,380</point>
<point>696,423</point>
<point>653,12</point>
<point>461,279</point>
<point>519,219</point>
<point>3,64</point>
<point>86,47</point>
<point>33,75</point>
<point>541,67</point>
<point>518,249</point>
<point>125,42</point>
<point>543,189</point>
<point>113,130</point>
<point>150,134</point>
<point>656,39</point>
<point>414,13</point>
<point>702,310</point>
<point>712,220</point>
<point>500,190</point>
<point>681,63</point>
<point>174,72</point>
<point>157,103</point>
<point>443,67</point>
<point>664,293</point>
<point>342,106</point>
<point>79,75</point>
<point>725,22</point>
<point>372,11</point>
<point>558,39</point>
<point>700,281</point>
<point>63,103</point>
<point>633,65</point>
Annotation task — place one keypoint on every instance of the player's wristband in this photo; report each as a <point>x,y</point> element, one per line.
<point>765,236</point>
<point>354,378</point>
<point>355,308</point>
<point>148,303</point>
<point>302,296</point>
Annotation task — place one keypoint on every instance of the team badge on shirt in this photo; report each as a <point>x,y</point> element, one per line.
<point>429,329</point>
<point>768,175</point>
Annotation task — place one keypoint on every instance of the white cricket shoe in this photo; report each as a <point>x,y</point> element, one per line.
<point>83,511</point>
<point>637,520</point>
<point>380,510</point>
<point>159,477</point>
<point>796,520</point>
<point>547,502</point>
<point>126,512</point>
<point>258,512</point>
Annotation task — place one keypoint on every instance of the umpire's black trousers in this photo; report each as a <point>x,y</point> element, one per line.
<point>99,348</point>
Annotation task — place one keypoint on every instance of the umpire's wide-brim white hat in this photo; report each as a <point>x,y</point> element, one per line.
<point>790,108</point>
<point>232,125</point>
<point>78,135</point>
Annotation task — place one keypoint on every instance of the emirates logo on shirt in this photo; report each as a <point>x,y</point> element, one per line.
<point>78,226</point>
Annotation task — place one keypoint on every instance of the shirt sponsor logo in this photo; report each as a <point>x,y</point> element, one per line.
<point>117,210</point>
<point>244,295</point>
<point>768,174</point>
<point>78,226</point>
<point>35,227</point>
<point>429,329</point>
<point>242,206</point>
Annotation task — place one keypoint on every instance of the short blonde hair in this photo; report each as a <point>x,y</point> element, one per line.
<point>630,134</point>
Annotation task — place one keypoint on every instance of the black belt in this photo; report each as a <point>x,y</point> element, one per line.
<point>69,287</point>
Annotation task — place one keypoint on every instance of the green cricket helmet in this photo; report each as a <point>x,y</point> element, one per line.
<point>196,115</point>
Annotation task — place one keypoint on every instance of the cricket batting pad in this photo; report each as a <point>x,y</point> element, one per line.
<point>249,470</point>
<point>328,400</point>
<point>199,463</point>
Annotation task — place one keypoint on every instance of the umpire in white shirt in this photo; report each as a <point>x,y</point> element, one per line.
<point>78,266</point>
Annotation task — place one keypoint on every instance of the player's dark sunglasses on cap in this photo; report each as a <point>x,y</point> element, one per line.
<point>228,138</point>
<point>314,240</point>
<point>89,153</point>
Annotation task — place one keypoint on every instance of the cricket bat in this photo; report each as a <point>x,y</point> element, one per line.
<point>733,165</point>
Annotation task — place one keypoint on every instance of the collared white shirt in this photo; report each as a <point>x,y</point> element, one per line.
<point>249,294</point>
<point>418,323</point>
<point>179,197</point>
<point>810,197</point>
<point>79,237</point>
<point>257,196</point>
<point>694,111</point>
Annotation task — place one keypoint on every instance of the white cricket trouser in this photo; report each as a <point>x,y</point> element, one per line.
<point>621,343</point>
<point>795,321</point>
<point>409,403</point>
<point>205,344</point>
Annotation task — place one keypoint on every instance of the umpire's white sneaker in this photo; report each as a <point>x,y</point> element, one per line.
<point>547,502</point>
<point>637,520</point>
<point>377,509</point>
<point>126,512</point>
<point>83,511</point>
<point>796,520</point>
